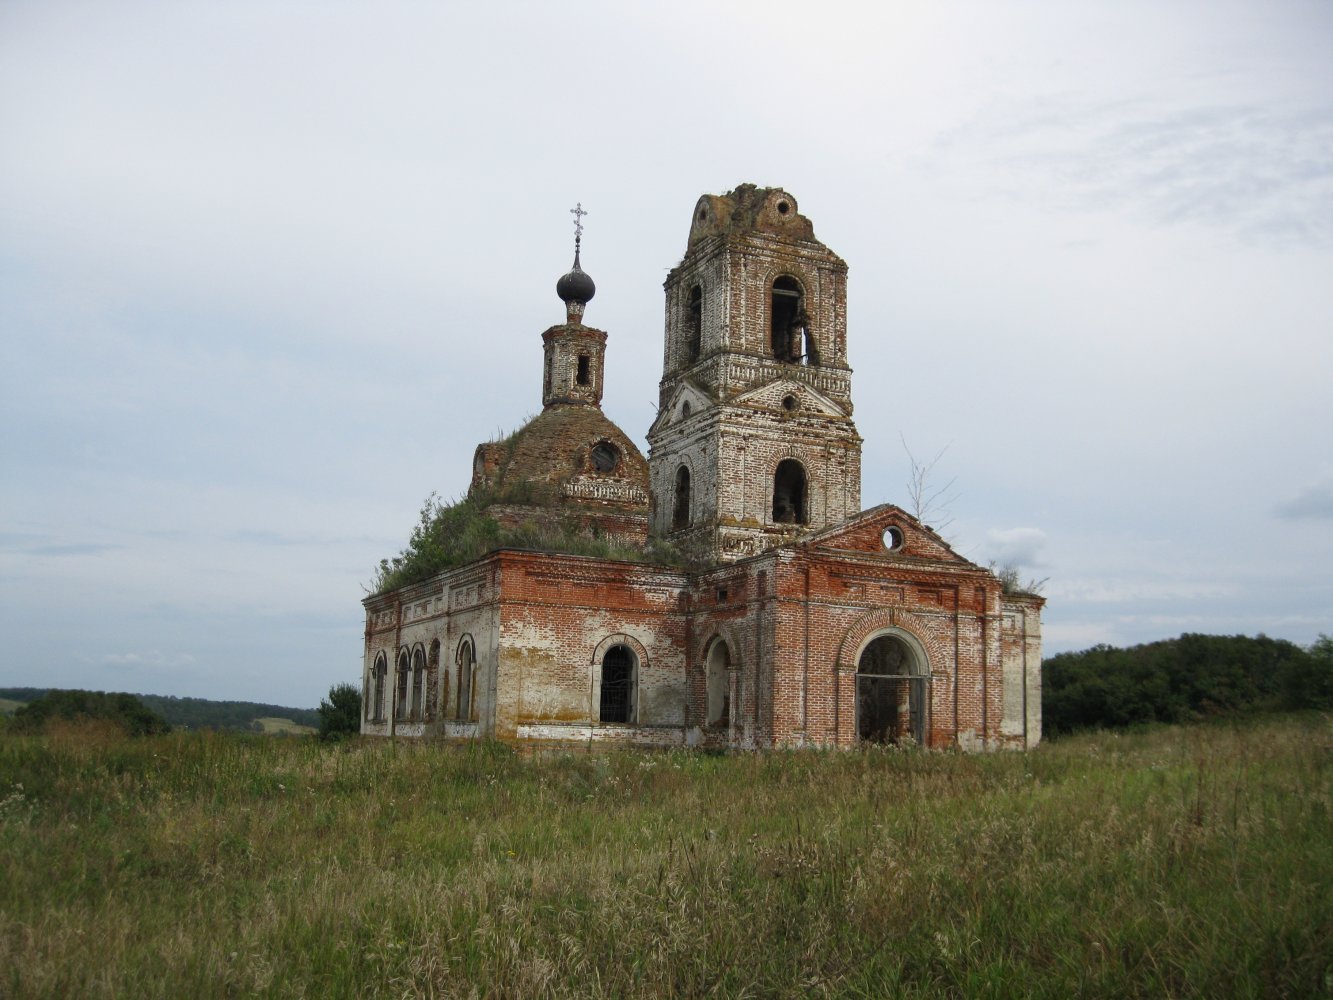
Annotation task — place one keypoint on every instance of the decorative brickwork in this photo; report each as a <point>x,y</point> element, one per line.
<point>802,620</point>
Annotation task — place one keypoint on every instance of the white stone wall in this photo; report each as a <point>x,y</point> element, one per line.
<point>1021,667</point>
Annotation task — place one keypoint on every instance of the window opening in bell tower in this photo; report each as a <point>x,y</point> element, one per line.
<point>789,505</point>
<point>787,320</point>
<point>694,325</point>
<point>680,508</point>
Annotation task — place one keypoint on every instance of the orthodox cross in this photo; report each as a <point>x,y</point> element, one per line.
<point>578,213</point>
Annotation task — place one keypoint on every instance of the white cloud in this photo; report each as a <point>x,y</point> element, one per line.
<point>1016,546</point>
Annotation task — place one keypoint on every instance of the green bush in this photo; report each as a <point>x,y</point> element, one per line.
<point>340,713</point>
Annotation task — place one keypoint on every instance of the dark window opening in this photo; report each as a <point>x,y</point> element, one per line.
<point>584,376</point>
<point>685,409</point>
<point>418,684</point>
<point>381,671</point>
<point>400,703</point>
<point>466,678</point>
<point>605,456</point>
<point>890,693</point>
<point>694,325</point>
<point>433,681</point>
<point>680,510</point>
<point>617,684</point>
<point>788,319</point>
<point>789,493</point>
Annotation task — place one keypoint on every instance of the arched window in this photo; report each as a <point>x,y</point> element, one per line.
<point>617,701</point>
<point>718,710</point>
<point>381,671</point>
<point>891,692</point>
<point>404,670</point>
<point>418,683</point>
<point>789,506</point>
<point>694,325</point>
<point>787,318</point>
<point>433,680</point>
<point>467,676</point>
<point>680,505</point>
<point>584,374</point>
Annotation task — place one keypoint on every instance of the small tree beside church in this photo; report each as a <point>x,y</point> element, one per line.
<point>340,713</point>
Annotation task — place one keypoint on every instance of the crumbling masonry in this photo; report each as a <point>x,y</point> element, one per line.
<point>803,619</point>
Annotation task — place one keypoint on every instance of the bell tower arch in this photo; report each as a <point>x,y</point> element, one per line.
<point>755,397</point>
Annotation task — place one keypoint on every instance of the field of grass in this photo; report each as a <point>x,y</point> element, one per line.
<point>283,727</point>
<point>8,706</point>
<point>1177,862</point>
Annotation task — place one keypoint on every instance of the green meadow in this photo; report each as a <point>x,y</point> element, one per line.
<point>1175,861</point>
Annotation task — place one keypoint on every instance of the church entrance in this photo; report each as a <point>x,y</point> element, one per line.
<point>891,692</point>
<point>617,704</point>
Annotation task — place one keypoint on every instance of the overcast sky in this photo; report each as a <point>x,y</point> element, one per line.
<point>270,271</point>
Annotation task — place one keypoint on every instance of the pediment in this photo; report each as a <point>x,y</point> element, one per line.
<point>686,400</point>
<point>781,395</point>
<point>890,531</point>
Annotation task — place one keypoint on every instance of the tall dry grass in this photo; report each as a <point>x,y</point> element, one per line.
<point>1176,862</point>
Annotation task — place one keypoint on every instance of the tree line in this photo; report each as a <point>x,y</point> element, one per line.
<point>197,713</point>
<point>1179,680</point>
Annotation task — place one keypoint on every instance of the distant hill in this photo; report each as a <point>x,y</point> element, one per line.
<point>199,713</point>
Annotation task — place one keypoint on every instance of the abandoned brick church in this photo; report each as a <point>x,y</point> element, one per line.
<point>790,617</point>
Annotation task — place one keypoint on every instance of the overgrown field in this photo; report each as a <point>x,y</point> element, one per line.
<point>1176,862</point>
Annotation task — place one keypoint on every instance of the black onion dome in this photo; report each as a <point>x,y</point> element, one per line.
<point>576,286</point>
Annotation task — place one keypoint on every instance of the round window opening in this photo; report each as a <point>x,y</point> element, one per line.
<point>783,208</point>
<point>893,538</point>
<point>789,403</point>
<point>702,215</point>
<point>604,456</point>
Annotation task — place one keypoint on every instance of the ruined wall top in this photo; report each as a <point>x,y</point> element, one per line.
<point>749,209</point>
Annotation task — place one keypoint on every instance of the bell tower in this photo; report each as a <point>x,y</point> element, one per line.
<point>754,443</point>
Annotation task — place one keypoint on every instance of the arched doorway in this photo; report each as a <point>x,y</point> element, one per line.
<point>718,680</point>
<point>892,687</point>
<point>617,694</point>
